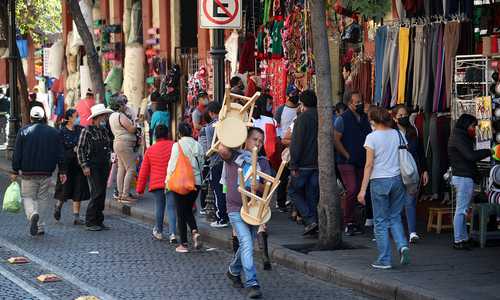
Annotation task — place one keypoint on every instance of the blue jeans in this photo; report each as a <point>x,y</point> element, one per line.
<point>464,187</point>
<point>411,213</point>
<point>163,199</point>
<point>243,258</point>
<point>388,199</point>
<point>304,191</point>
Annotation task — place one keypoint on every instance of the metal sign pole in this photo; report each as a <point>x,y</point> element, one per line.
<point>13,60</point>
<point>218,53</point>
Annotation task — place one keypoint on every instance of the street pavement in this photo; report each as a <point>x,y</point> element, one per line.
<point>126,263</point>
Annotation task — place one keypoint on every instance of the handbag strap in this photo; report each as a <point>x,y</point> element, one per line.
<point>402,144</point>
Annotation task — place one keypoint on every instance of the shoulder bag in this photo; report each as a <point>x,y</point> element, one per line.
<point>408,166</point>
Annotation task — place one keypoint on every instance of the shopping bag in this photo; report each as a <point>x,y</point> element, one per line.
<point>409,170</point>
<point>12,198</point>
<point>272,146</point>
<point>182,180</point>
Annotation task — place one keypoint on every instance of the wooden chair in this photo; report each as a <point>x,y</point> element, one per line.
<point>439,212</point>
<point>234,119</point>
<point>255,209</point>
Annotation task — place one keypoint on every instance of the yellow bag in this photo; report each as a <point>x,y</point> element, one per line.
<point>182,180</point>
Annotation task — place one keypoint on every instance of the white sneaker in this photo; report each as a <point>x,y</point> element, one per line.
<point>414,237</point>
<point>217,224</point>
<point>173,239</point>
<point>157,235</point>
<point>369,222</point>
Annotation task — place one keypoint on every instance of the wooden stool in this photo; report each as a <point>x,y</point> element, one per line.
<point>438,212</point>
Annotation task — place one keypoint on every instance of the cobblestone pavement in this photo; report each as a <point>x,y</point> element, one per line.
<point>125,263</point>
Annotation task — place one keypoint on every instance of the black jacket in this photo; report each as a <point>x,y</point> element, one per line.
<point>38,151</point>
<point>462,155</point>
<point>304,146</point>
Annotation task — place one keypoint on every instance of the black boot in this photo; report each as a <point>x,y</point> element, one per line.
<point>262,241</point>
<point>236,244</point>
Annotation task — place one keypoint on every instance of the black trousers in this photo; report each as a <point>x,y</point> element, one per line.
<point>97,182</point>
<point>185,216</point>
<point>282,188</point>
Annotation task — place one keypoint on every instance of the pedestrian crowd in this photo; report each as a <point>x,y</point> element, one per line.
<point>101,150</point>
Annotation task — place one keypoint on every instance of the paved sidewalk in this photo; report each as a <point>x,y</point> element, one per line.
<point>436,270</point>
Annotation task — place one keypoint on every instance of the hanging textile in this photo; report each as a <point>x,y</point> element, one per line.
<point>278,81</point>
<point>247,55</point>
<point>380,42</point>
<point>404,45</point>
<point>231,45</point>
<point>277,39</point>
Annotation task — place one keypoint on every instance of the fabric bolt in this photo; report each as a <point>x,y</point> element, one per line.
<point>410,71</point>
<point>404,48</point>
<point>486,45</point>
<point>439,69</point>
<point>451,38</point>
<point>380,46</point>
<point>494,44</point>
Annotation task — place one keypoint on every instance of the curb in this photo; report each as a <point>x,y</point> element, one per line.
<point>386,289</point>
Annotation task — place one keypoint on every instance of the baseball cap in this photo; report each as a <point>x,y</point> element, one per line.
<point>37,112</point>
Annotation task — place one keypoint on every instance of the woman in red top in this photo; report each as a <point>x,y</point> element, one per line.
<point>154,167</point>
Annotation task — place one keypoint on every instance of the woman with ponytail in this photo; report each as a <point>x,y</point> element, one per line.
<point>76,186</point>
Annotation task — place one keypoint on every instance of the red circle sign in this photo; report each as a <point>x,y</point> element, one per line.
<point>231,16</point>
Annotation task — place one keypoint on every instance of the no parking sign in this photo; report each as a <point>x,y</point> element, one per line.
<point>220,14</point>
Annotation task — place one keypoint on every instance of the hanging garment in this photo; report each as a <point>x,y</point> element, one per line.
<point>439,69</point>
<point>231,45</point>
<point>277,39</point>
<point>380,43</point>
<point>404,44</point>
<point>410,71</point>
<point>278,82</point>
<point>394,66</point>
<point>267,10</point>
<point>247,55</point>
<point>418,64</point>
<point>451,39</point>
<point>390,65</point>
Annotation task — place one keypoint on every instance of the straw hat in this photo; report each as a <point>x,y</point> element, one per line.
<point>97,110</point>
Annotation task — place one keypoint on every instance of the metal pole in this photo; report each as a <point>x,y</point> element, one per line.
<point>13,60</point>
<point>218,53</point>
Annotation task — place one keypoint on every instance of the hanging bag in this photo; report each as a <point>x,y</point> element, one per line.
<point>12,198</point>
<point>182,181</point>
<point>408,166</point>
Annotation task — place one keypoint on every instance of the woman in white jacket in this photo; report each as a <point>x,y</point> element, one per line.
<point>185,217</point>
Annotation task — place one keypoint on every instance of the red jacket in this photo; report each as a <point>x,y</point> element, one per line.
<point>154,166</point>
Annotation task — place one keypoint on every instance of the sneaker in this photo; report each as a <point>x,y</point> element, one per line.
<point>414,237</point>
<point>349,229</point>
<point>40,232</point>
<point>173,239</point>
<point>404,256</point>
<point>283,209</point>
<point>235,279</point>
<point>203,212</point>
<point>196,241</point>
<point>311,228</point>
<point>254,292</point>
<point>57,212</point>
<point>157,235</point>
<point>104,227</point>
<point>116,195</point>
<point>369,223</point>
<point>34,224</point>
<point>78,222</point>
<point>181,249</point>
<point>218,224</point>
<point>93,228</point>
<point>463,245</point>
<point>378,265</point>
<point>127,200</point>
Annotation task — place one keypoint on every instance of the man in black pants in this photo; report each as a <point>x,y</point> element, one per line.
<point>94,155</point>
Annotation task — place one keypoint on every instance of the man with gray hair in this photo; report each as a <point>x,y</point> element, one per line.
<point>37,152</point>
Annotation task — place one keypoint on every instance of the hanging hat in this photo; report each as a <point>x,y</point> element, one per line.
<point>97,110</point>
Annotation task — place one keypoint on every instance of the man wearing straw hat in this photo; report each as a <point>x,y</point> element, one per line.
<point>94,155</point>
